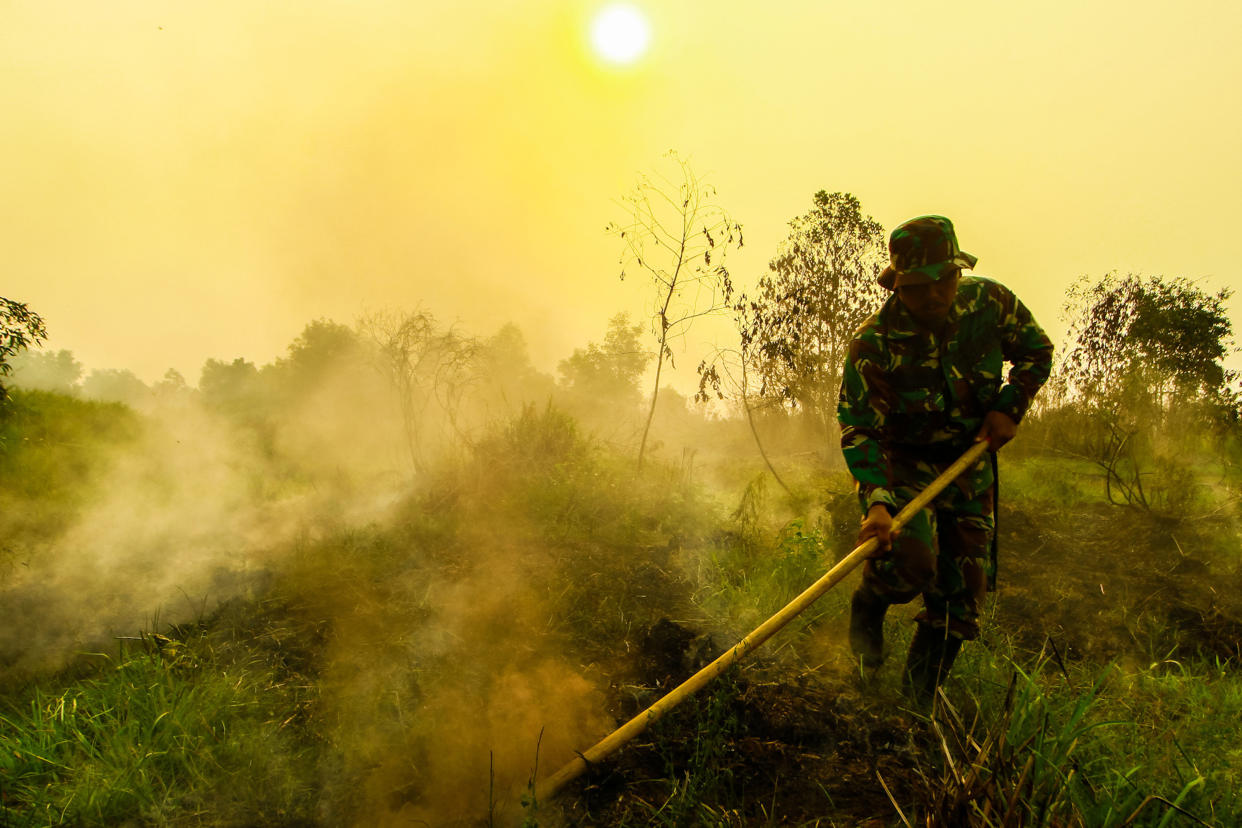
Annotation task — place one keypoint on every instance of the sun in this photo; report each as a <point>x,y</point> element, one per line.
<point>620,33</point>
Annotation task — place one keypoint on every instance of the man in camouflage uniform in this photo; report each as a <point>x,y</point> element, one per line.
<point>923,380</point>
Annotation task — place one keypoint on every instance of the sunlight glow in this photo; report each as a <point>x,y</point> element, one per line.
<point>620,33</point>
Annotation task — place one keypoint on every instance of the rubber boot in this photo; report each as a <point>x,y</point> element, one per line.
<point>932,653</point>
<point>867,628</point>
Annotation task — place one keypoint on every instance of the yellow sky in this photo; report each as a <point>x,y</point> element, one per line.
<point>188,180</point>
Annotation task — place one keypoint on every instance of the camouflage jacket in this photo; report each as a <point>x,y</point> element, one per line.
<point>908,393</point>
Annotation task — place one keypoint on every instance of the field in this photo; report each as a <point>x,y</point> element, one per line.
<point>194,636</point>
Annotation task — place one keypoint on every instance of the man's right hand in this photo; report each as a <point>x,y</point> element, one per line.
<point>878,524</point>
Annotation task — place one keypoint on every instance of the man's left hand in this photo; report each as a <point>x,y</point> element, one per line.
<point>998,429</point>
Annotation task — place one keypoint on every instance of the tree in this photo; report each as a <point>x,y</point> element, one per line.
<point>679,236</point>
<point>609,371</point>
<point>47,371</point>
<point>1165,338</point>
<point>172,389</point>
<point>602,380</point>
<point>819,288</point>
<point>726,374</point>
<point>115,385</point>
<point>507,378</point>
<point>233,389</point>
<point>423,363</point>
<point>320,351</point>
<point>1145,367</point>
<point>20,327</point>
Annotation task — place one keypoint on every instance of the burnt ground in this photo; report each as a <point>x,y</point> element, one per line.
<point>764,746</point>
<point>1112,584</point>
<point>758,750</point>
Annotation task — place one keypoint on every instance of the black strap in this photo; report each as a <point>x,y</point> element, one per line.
<point>995,522</point>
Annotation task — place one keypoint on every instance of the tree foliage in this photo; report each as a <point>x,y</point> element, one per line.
<point>233,389</point>
<point>819,288</point>
<point>507,379</point>
<point>601,380</point>
<point>1163,338</point>
<point>1145,371</point>
<point>20,328</point>
<point>115,385</point>
<point>609,371</point>
<point>323,347</point>
<point>56,371</point>
<point>678,235</point>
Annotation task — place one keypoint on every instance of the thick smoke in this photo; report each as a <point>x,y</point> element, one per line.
<point>439,687</point>
<point>170,526</point>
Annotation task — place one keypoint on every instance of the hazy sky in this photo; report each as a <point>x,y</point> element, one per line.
<point>184,180</point>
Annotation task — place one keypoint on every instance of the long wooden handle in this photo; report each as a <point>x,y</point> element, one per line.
<point>552,784</point>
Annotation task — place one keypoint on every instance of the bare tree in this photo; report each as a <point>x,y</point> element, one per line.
<point>726,375</point>
<point>678,236</point>
<point>424,364</point>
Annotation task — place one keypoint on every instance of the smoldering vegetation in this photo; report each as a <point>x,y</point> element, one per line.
<point>399,575</point>
<point>405,534</point>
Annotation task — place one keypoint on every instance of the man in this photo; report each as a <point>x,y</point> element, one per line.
<point>924,379</point>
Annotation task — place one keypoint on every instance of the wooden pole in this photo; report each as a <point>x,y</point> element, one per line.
<point>551,785</point>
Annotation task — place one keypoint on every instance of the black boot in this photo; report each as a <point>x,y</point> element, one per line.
<point>932,653</point>
<point>867,628</point>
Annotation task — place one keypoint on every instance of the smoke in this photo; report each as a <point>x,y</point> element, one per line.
<point>441,573</point>
<point>157,534</point>
<point>439,683</point>
<point>442,686</point>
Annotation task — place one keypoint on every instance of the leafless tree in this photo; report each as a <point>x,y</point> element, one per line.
<point>424,365</point>
<point>678,236</point>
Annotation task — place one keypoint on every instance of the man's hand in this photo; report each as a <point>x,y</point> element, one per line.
<point>998,429</point>
<point>878,524</point>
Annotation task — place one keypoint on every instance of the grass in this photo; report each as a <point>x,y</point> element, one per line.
<point>743,581</point>
<point>1048,742</point>
<point>700,771</point>
<point>1044,481</point>
<point>762,557</point>
<point>163,732</point>
<point>311,700</point>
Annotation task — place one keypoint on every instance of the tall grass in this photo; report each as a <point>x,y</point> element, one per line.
<point>162,732</point>
<point>698,772</point>
<point>1051,743</point>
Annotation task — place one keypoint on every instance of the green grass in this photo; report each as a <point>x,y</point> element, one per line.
<point>161,733</point>
<point>1076,743</point>
<point>745,580</point>
<point>700,773</point>
<point>1042,481</point>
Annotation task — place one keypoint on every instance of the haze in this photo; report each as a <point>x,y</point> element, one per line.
<point>194,180</point>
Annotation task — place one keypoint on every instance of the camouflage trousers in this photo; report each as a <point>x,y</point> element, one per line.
<point>943,552</point>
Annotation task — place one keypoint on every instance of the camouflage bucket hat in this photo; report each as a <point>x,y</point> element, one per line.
<point>922,250</point>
